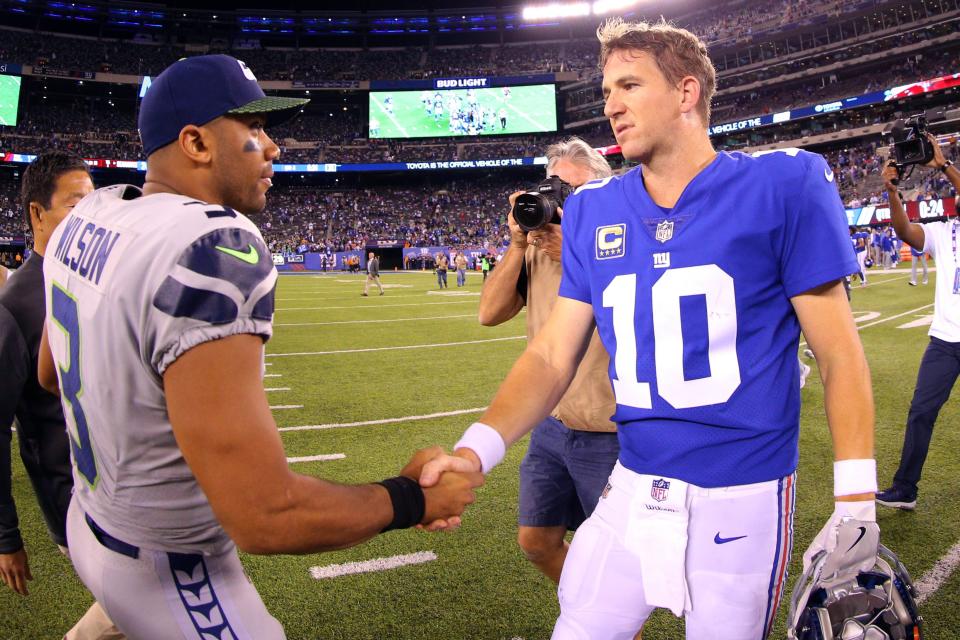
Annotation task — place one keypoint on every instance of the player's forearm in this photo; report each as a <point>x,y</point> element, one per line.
<point>499,299</point>
<point>528,394</point>
<point>313,515</point>
<point>848,401</point>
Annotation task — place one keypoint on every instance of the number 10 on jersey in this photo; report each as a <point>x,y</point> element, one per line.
<point>717,288</point>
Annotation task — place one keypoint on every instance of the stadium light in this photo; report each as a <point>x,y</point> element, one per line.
<point>601,7</point>
<point>556,10</point>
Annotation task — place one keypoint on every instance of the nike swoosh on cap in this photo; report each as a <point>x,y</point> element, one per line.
<point>717,539</point>
<point>250,256</point>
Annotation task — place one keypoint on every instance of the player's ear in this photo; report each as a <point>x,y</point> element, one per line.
<point>689,94</point>
<point>36,215</point>
<point>195,143</point>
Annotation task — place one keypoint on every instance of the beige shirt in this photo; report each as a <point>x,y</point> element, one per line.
<point>588,403</point>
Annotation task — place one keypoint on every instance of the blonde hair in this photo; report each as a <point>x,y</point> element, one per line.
<point>578,152</point>
<point>676,52</point>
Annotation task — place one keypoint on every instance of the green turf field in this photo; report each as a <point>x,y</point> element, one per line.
<point>528,109</point>
<point>9,100</point>
<point>479,586</point>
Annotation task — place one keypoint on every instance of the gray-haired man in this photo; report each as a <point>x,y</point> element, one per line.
<point>573,451</point>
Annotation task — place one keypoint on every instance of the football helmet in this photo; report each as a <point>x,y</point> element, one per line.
<point>868,262</point>
<point>879,604</point>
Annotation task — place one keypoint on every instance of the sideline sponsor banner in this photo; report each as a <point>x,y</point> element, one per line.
<point>473,82</point>
<point>893,93</point>
<point>917,211</point>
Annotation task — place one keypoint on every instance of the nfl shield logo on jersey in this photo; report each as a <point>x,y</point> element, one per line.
<point>660,489</point>
<point>664,230</point>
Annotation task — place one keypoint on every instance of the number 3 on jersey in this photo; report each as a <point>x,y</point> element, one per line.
<point>717,288</point>
<point>66,316</point>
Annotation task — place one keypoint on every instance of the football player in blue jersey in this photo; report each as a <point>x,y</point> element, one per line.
<point>699,269</point>
<point>860,239</point>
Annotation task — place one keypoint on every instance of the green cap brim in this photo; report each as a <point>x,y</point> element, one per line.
<point>276,107</point>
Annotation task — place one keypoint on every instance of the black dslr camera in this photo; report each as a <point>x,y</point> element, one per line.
<point>910,145</point>
<point>535,209</point>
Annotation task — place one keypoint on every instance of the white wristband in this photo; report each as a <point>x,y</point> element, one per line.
<point>486,442</point>
<point>854,476</point>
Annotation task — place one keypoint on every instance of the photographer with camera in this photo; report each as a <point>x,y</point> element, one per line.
<point>573,451</point>
<point>940,365</point>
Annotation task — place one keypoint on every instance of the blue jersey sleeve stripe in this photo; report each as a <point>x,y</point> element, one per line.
<point>180,301</point>
<point>230,254</point>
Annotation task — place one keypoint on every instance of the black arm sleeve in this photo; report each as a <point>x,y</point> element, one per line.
<point>14,369</point>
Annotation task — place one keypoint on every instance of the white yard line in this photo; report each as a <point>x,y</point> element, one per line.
<point>537,125</point>
<point>277,389</point>
<point>882,320</point>
<point>317,324</point>
<point>341,425</point>
<point>371,566</point>
<point>899,315</point>
<point>273,375</point>
<point>376,306</point>
<point>884,281</point>
<point>278,407</point>
<point>933,579</point>
<point>402,348</point>
<point>320,458</point>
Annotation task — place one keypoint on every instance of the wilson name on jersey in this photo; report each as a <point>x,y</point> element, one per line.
<point>134,282</point>
<point>693,305</point>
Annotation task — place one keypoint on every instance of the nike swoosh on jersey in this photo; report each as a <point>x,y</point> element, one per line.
<point>717,539</point>
<point>863,532</point>
<point>828,174</point>
<point>250,256</point>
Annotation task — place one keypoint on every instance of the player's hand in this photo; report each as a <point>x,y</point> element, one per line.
<point>15,571</point>
<point>889,174</point>
<point>938,157</point>
<point>518,237</point>
<point>549,239</point>
<point>414,468</point>
<point>464,461</point>
<point>446,500</point>
<point>850,539</point>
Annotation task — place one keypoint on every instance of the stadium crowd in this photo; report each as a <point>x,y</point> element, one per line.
<point>725,24</point>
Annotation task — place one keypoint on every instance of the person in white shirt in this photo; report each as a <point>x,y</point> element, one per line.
<point>940,366</point>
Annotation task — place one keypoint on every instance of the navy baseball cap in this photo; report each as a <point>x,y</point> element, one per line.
<point>199,89</point>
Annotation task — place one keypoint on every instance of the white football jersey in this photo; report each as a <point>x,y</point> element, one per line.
<point>132,283</point>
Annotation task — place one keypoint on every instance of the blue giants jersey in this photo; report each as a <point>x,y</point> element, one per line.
<point>860,240</point>
<point>693,305</point>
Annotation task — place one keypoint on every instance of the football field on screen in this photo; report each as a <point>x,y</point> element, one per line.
<point>369,380</point>
<point>529,109</point>
<point>9,100</point>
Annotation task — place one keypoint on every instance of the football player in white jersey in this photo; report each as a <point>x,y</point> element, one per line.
<point>158,306</point>
<point>697,270</point>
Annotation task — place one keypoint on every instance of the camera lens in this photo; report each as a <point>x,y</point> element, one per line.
<point>533,210</point>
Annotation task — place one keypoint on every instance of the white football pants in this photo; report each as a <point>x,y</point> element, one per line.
<point>728,554</point>
<point>167,595</point>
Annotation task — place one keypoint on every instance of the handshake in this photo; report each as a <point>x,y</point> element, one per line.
<point>447,481</point>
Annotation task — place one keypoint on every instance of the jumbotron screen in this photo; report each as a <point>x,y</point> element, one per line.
<point>485,111</point>
<point>9,100</point>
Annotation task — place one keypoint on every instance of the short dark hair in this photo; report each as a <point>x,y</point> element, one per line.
<point>40,178</point>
